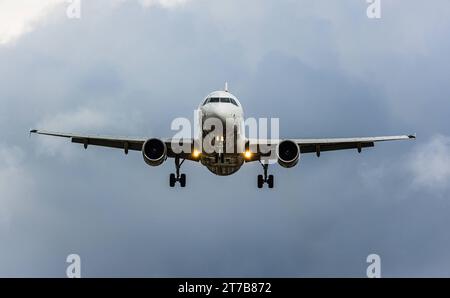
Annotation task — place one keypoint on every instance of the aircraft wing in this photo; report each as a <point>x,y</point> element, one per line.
<point>331,144</point>
<point>318,145</point>
<point>125,143</point>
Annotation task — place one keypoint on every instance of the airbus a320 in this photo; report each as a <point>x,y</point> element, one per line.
<point>224,106</point>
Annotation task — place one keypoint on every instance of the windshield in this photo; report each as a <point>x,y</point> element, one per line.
<point>220,99</point>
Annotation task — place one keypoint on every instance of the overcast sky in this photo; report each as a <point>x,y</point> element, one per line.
<point>129,67</point>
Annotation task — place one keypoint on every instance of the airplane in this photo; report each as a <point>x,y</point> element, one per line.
<point>223,106</point>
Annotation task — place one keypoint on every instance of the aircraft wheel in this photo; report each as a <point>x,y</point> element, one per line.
<point>183,180</point>
<point>270,181</point>
<point>260,181</point>
<point>172,180</point>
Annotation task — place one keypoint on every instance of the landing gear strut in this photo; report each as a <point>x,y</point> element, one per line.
<point>265,179</point>
<point>177,177</point>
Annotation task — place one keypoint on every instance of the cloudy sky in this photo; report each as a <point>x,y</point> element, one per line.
<point>128,67</point>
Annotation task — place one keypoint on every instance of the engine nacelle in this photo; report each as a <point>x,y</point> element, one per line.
<point>154,152</point>
<point>288,153</point>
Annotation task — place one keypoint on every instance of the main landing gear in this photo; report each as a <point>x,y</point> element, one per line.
<point>177,177</point>
<point>265,179</point>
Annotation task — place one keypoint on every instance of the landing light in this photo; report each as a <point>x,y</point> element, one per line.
<point>196,153</point>
<point>248,154</point>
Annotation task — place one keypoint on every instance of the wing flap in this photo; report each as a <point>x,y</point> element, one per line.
<point>310,148</point>
<point>112,143</point>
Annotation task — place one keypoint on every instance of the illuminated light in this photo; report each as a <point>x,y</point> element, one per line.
<point>247,154</point>
<point>196,153</point>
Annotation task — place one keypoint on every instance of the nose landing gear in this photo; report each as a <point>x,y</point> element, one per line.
<point>266,178</point>
<point>177,177</point>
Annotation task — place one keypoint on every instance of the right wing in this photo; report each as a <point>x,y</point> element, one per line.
<point>331,144</point>
<point>326,144</point>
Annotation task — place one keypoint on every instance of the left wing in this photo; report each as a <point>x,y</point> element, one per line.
<point>125,143</point>
<point>105,141</point>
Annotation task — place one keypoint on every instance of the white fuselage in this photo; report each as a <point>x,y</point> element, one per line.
<point>222,113</point>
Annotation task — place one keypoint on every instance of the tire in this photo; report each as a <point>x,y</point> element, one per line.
<point>270,181</point>
<point>172,180</point>
<point>183,180</point>
<point>260,181</point>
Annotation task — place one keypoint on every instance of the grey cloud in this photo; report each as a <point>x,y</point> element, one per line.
<point>430,163</point>
<point>323,68</point>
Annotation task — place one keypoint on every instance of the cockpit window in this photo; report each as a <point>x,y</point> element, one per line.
<point>220,99</point>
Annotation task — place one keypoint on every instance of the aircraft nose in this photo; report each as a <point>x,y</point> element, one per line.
<point>218,112</point>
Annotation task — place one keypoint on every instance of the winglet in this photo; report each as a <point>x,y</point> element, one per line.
<point>32,131</point>
<point>412,136</point>
<point>226,86</point>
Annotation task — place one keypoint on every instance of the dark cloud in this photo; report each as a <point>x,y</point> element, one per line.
<point>323,69</point>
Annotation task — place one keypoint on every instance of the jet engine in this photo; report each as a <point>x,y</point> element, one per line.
<point>154,152</point>
<point>288,153</point>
